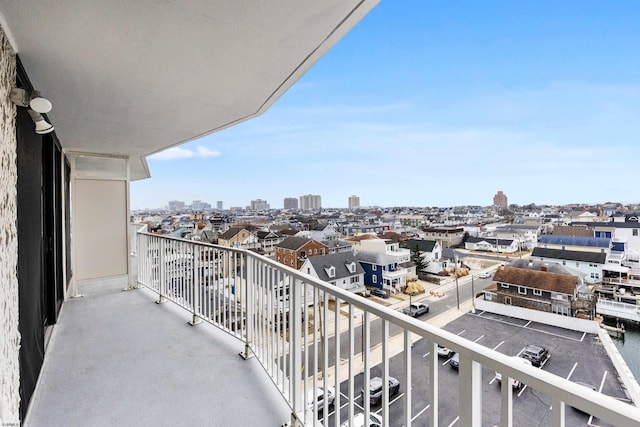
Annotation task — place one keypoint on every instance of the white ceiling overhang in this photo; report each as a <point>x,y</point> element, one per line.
<point>134,78</point>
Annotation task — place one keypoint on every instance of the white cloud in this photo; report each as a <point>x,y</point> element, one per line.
<point>175,153</point>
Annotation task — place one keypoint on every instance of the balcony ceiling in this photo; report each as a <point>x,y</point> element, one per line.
<point>134,78</point>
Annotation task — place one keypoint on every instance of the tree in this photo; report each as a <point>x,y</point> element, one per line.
<point>416,258</point>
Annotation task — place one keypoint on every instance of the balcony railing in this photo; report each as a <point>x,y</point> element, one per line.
<point>300,347</point>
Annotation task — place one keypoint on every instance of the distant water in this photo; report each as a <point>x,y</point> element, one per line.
<point>629,348</point>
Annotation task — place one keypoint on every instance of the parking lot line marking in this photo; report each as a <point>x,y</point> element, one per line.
<point>583,335</point>
<point>425,355</point>
<point>461,332</point>
<point>390,403</point>
<point>481,313</point>
<point>524,387</point>
<point>528,323</point>
<point>447,361</point>
<point>454,421</point>
<point>572,369</point>
<point>479,338</point>
<point>533,329</point>
<point>421,412</point>
<point>520,352</point>
<point>501,342</point>
<point>602,382</point>
<point>494,379</point>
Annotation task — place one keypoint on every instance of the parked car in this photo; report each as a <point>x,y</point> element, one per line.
<point>454,362</point>
<point>444,351</point>
<point>375,389</point>
<point>318,397</point>
<point>365,293</point>
<point>379,293</point>
<point>416,309</point>
<point>536,354</point>
<point>484,275</point>
<point>375,420</point>
<point>515,383</point>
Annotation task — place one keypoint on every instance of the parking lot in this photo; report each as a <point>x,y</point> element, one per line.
<point>573,355</point>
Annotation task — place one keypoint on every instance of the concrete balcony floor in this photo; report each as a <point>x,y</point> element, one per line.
<point>116,358</point>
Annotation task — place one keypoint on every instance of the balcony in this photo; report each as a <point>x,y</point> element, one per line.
<point>118,359</point>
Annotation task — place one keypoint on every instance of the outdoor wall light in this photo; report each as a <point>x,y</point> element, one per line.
<point>42,126</point>
<point>36,105</point>
<point>31,99</point>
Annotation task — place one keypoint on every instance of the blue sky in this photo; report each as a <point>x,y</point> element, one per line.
<point>439,103</point>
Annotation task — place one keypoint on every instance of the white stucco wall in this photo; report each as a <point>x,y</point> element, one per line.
<point>9,335</point>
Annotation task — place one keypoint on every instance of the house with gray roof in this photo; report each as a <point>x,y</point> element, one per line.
<point>382,271</point>
<point>339,269</point>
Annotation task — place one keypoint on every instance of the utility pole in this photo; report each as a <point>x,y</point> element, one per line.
<point>473,297</point>
<point>455,257</point>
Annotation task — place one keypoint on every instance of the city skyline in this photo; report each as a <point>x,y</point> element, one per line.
<point>429,104</point>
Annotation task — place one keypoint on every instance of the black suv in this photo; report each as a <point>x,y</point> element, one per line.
<point>375,389</point>
<point>535,354</point>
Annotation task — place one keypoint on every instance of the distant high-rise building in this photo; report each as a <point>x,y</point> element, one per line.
<point>354,202</point>
<point>259,205</point>
<point>219,205</point>
<point>310,201</point>
<point>175,205</point>
<point>199,205</point>
<point>500,199</point>
<point>290,203</point>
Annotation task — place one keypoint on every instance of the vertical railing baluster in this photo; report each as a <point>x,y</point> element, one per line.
<point>366,363</point>
<point>407,377</point>
<point>385,372</point>
<point>433,385</point>
<point>557,413</point>
<point>195,279</point>
<point>470,392</point>
<point>351,367</point>
<point>506,419</point>
<point>336,377</point>
<point>295,325</point>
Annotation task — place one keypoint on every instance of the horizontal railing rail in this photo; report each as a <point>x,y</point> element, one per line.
<point>294,325</point>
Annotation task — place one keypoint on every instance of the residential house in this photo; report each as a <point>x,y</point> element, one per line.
<point>491,244</point>
<point>337,246</point>
<point>339,269</point>
<point>356,240</point>
<point>431,250</point>
<point>536,289</point>
<point>238,237</point>
<point>525,235</point>
<point>382,271</point>
<point>293,251</point>
<point>589,263</point>
<point>447,236</point>
<point>576,243</point>
<point>268,240</point>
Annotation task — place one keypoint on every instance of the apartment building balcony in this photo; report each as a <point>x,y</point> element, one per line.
<point>117,358</point>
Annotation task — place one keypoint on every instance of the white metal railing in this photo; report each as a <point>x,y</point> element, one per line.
<point>301,349</point>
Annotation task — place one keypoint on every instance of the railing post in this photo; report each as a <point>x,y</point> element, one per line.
<point>162,266</point>
<point>248,304</point>
<point>195,283</point>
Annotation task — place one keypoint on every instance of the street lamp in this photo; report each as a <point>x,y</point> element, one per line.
<point>455,257</point>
